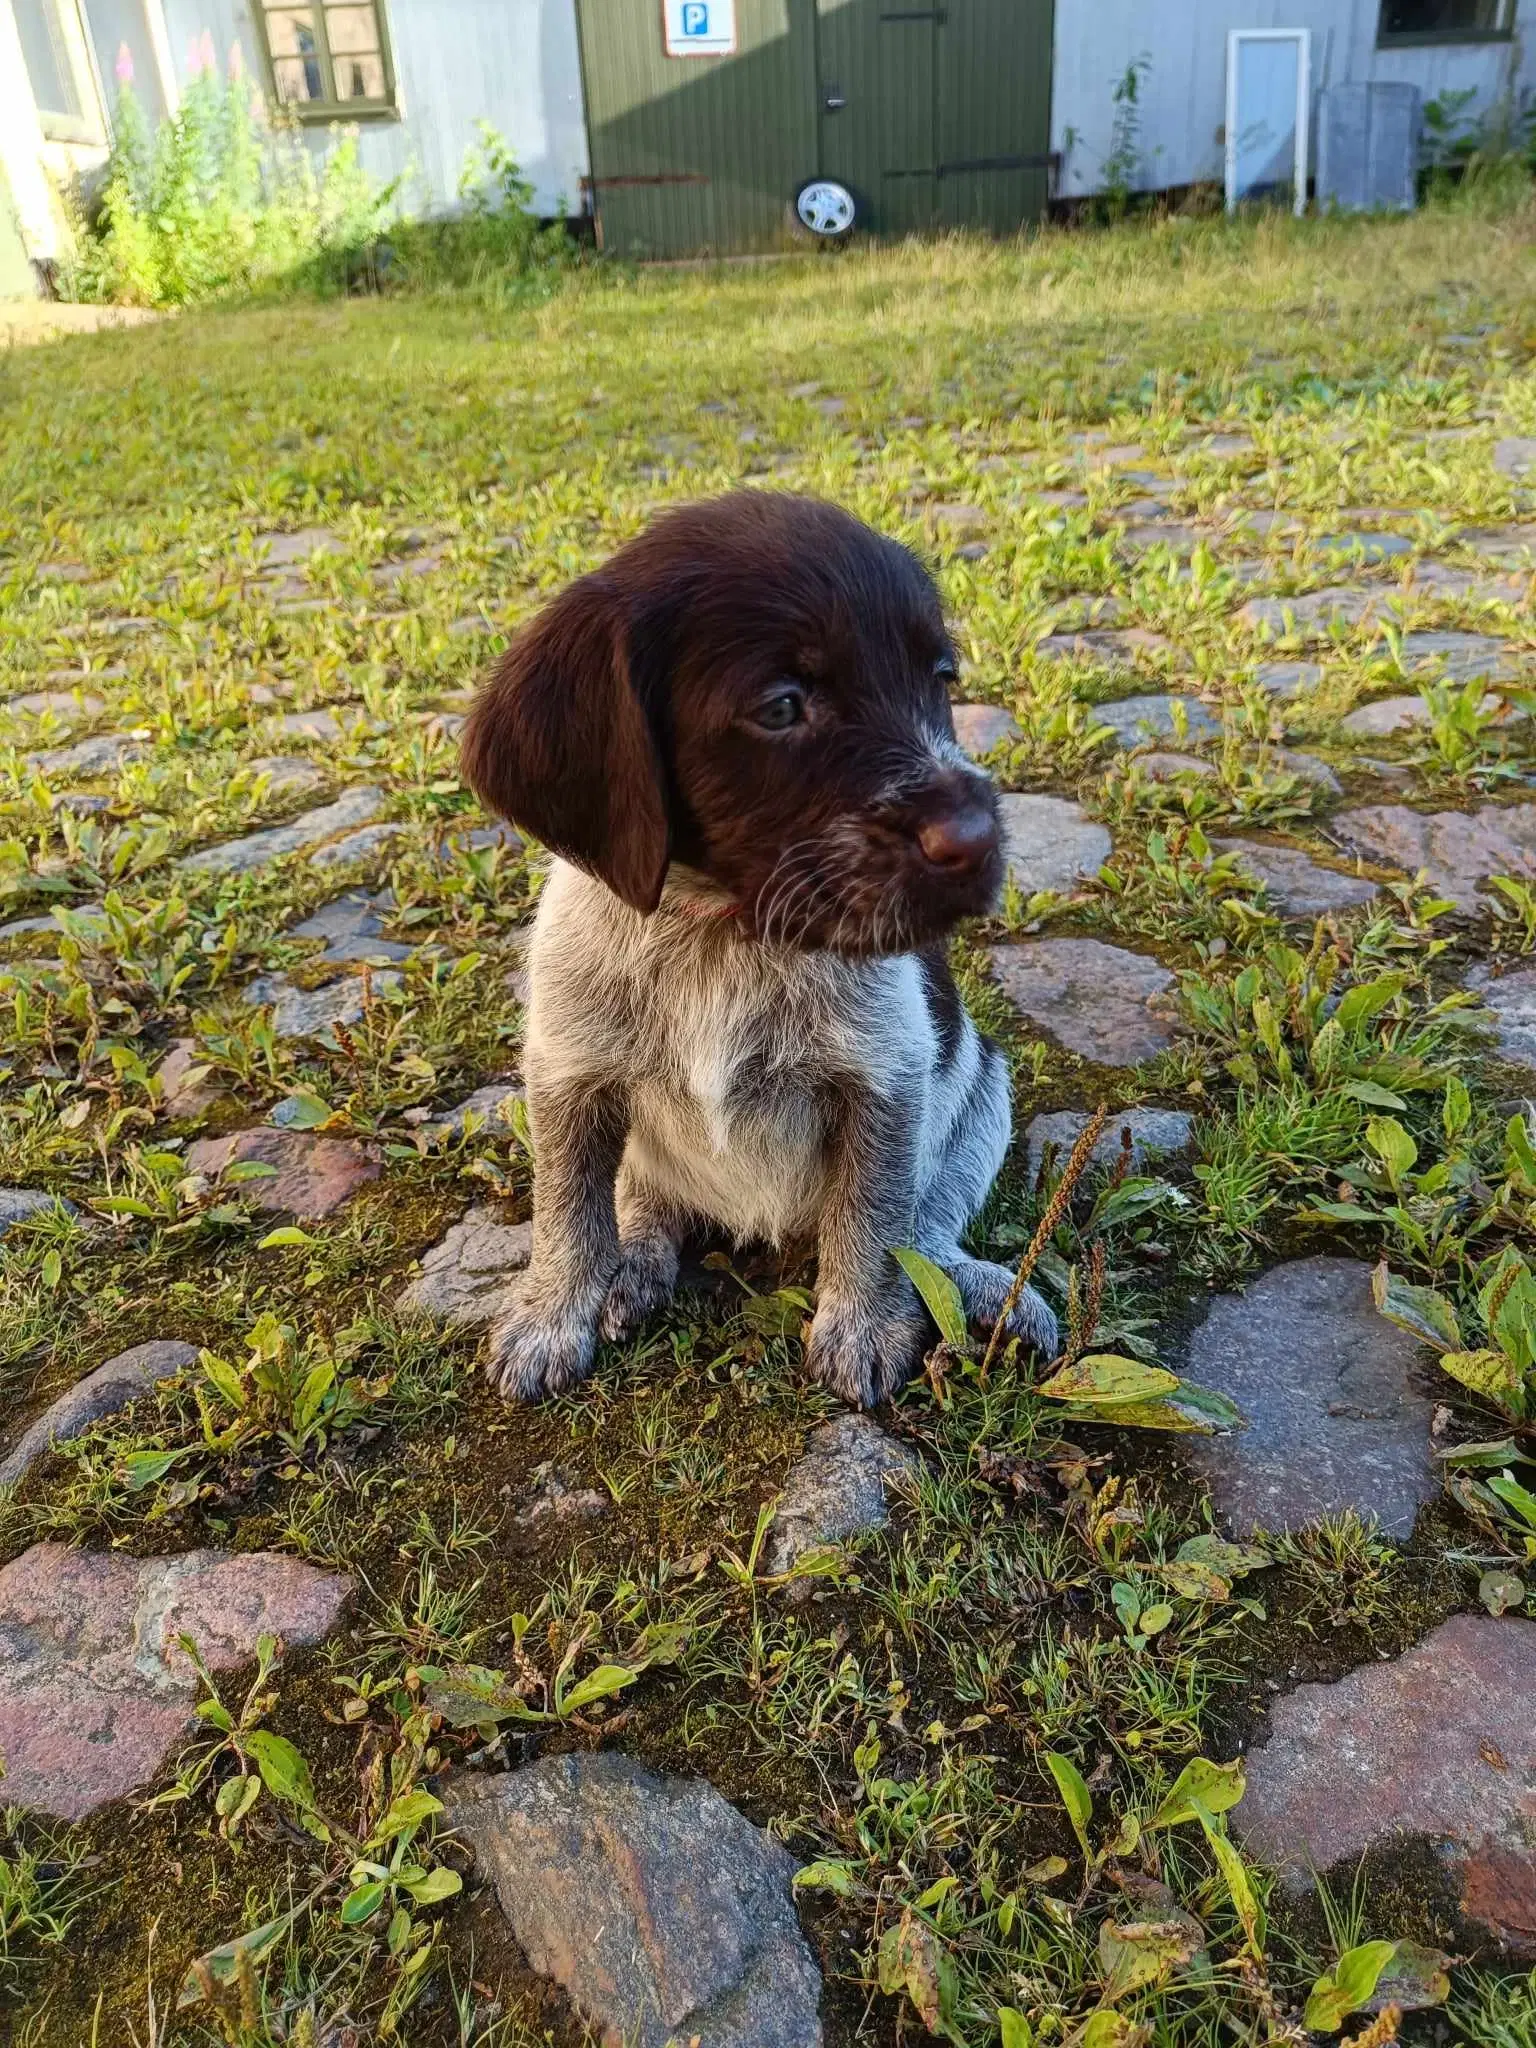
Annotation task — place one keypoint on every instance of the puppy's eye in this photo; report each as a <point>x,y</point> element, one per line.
<point>944,668</point>
<point>781,709</point>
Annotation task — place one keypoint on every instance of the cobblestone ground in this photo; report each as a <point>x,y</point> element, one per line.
<point>341,1704</point>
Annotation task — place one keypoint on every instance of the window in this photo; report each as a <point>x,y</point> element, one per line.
<point>58,70</point>
<point>328,62</point>
<point>1446,21</point>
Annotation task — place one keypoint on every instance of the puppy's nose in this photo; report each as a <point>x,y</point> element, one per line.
<point>959,841</point>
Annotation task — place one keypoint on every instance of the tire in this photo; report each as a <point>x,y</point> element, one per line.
<point>825,210</point>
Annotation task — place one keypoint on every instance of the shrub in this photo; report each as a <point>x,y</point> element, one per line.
<point>217,199</point>
<point>220,199</point>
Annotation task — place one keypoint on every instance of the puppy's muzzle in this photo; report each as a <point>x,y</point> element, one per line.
<point>960,839</point>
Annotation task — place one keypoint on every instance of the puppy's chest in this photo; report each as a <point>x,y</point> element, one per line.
<point>729,1064</point>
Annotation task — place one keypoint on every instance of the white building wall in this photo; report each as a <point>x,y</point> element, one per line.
<point>513,63</point>
<point>1183,94</point>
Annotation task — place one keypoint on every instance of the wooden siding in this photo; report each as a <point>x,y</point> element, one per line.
<point>1183,95</point>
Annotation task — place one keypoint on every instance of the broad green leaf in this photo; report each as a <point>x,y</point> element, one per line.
<point>1487,1373</point>
<point>362,1903</point>
<point>1456,1111</point>
<point>1415,1979</point>
<point>236,1796</point>
<point>1347,1988</point>
<point>283,1769</point>
<point>1137,1953</point>
<point>1014,2031</point>
<point>1392,1146</point>
<point>1245,1899</point>
<point>1514,1495</point>
<point>1156,1618</point>
<point>936,1893</point>
<point>223,1376</point>
<point>597,1685</point>
<point>288,1233</point>
<point>1372,1096</point>
<point>1337,1212</point>
<point>1215,1787</point>
<point>1127,1602</point>
<point>1501,1591</point>
<point>408,1811</point>
<point>1231,1560</point>
<point>138,1469</point>
<point>1104,1377</point>
<point>911,1958</point>
<point>830,1874</point>
<point>941,1297</point>
<point>303,1111</point>
<point>1359,1005</point>
<point>1522,1154</point>
<point>1107,2029</point>
<point>249,1169</point>
<point>222,1965</point>
<point>439,1884</point>
<point>1501,1450</point>
<point>777,1315</point>
<point>1192,1580</point>
<point>1188,1410</point>
<point>468,1694</point>
<point>1075,1796</point>
<point>1418,1310</point>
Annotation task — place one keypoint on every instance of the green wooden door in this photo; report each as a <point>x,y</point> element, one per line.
<point>993,113</point>
<point>694,155</point>
<point>937,116</point>
<point>876,60</point>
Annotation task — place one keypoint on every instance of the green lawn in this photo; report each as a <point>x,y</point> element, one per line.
<point>894,1727</point>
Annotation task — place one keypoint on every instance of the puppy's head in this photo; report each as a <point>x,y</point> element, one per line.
<point>758,689</point>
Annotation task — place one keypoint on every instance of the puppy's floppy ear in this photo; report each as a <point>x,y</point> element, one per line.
<point>562,742</point>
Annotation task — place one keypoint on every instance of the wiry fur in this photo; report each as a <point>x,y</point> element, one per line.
<point>767,1039</point>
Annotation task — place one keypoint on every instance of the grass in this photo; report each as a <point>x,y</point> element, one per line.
<point>1029,1620</point>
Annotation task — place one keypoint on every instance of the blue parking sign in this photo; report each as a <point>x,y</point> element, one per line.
<point>699,28</point>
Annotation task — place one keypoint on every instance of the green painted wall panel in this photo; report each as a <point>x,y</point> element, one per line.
<point>697,154</point>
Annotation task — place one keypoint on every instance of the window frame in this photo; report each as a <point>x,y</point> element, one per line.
<point>89,126</point>
<point>1431,38</point>
<point>329,110</point>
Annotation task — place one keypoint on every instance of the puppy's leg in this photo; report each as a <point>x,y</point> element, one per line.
<point>868,1331</point>
<point>545,1338</point>
<point>650,1230</point>
<point>977,1142</point>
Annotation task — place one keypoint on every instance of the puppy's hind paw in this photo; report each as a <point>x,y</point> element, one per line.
<point>534,1350</point>
<point>862,1356</point>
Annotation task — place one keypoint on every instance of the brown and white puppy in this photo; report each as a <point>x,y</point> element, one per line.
<point>736,737</point>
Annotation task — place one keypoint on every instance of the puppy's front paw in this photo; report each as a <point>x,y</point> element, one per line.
<point>645,1282</point>
<point>864,1355</point>
<point>1035,1321</point>
<point>538,1348</point>
<point>985,1288</point>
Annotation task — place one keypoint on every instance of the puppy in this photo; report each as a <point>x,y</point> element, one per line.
<point>736,737</point>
